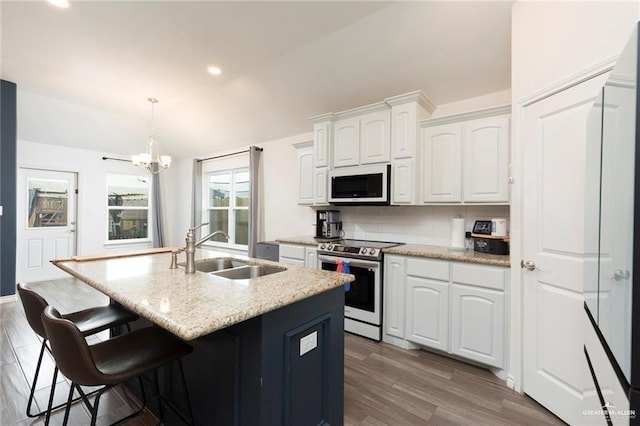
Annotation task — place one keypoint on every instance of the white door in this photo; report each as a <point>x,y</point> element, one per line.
<point>46,222</point>
<point>375,136</point>
<point>346,142</point>
<point>442,164</point>
<point>557,247</point>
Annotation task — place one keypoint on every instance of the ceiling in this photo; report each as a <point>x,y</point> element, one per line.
<point>84,73</point>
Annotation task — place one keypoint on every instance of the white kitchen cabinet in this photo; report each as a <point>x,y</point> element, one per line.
<point>428,312</point>
<point>394,290</point>
<point>292,254</point>
<point>346,142</point>
<point>465,158</point>
<point>454,307</point>
<point>486,160</point>
<point>311,257</point>
<point>320,182</point>
<point>478,324</point>
<point>306,173</point>
<point>427,302</point>
<point>322,138</point>
<point>406,112</point>
<point>375,137</point>
<point>403,181</point>
<point>441,164</point>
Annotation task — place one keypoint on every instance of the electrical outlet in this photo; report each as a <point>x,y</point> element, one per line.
<point>308,343</point>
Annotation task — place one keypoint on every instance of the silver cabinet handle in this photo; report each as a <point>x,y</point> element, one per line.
<point>620,275</point>
<point>529,265</point>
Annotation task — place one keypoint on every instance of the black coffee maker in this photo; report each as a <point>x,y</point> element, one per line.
<point>328,224</point>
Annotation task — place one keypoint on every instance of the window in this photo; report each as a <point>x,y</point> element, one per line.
<point>48,199</point>
<point>128,206</point>
<point>228,205</point>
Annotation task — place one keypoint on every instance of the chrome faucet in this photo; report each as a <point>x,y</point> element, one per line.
<point>191,245</point>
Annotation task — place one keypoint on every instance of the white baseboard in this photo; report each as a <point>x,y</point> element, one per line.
<point>7,299</point>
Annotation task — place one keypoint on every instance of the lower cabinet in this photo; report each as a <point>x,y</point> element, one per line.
<point>295,254</point>
<point>455,307</point>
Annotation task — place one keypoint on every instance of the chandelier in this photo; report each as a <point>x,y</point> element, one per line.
<point>152,160</point>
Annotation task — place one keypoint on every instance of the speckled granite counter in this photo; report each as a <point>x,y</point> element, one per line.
<point>197,304</point>
<point>438,252</point>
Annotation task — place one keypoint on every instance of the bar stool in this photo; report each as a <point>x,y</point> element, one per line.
<point>113,361</point>
<point>89,321</point>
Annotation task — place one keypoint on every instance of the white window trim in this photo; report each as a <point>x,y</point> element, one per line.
<point>232,207</point>
<point>130,241</point>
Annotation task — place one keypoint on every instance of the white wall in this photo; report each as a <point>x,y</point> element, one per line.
<point>91,229</point>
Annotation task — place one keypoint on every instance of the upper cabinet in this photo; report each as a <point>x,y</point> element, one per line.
<point>362,136</point>
<point>465,158</point>
<point>306,174</point>
<point>446,160</point>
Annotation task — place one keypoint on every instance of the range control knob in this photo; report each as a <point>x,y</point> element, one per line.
<point>372,251</point>
<point>322,246</point>
<point>330,247</point>
<point>363,250</point>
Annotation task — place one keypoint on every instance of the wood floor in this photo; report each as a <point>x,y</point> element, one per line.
<point>384,385</point>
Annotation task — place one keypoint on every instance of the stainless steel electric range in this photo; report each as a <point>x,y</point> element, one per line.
<point>363,297</point>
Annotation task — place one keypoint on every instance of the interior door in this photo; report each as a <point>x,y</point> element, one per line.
<point>557,247</point>
<point>46,222</point>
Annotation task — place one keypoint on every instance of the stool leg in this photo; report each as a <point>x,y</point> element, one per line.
<point>68,408</point>
<point>35,380</point>
<point>51,394</point>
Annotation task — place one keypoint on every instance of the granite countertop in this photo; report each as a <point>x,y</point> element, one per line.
<point>438,252</point>
<point>193,305</point>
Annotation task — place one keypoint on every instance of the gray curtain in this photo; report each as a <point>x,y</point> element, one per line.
<point>156,201</point>
<point>255,198</point>
<point>196,194</point>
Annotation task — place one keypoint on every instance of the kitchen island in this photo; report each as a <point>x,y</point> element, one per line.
<point>267,350</point>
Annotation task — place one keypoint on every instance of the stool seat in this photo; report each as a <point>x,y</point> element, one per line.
<point>94,320</point>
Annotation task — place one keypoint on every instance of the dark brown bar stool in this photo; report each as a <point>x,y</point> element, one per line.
<point>89,321</point>
<point>113,361</point>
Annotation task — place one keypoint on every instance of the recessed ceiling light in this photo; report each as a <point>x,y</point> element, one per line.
<point>214,70</point>
<point>60,3</point>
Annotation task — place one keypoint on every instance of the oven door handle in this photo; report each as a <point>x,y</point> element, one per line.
<point>358,263</point>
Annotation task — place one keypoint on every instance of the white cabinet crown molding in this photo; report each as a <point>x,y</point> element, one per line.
<point>471,115</point>
<point>415,96</point>
<point>330,116</point>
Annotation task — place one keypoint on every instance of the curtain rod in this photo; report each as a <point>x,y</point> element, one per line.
<point>116,159</point>
<point>228,155</point>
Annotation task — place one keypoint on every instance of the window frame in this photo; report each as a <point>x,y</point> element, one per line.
<point>231,208</point>
<point>148,208</point>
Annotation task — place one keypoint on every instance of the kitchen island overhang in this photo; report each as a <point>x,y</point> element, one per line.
<point>268,350</point>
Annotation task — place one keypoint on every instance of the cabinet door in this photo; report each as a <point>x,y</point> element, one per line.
<point>486,160</point>
<point>477,324</point>
<point>320,186</point>
<point>375,137</point>
<point>292,254</point>
<point>428,312</point>
<point>394,277</point>
<point>322,143</point>
<point>311,257</point>
<point>442,164</point>
<point>404,131</point>
<point>346,142</point>
<point>403,179</point>
<point>305,176</point>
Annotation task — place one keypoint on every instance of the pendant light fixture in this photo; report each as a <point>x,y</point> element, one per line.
<point>147,159</point>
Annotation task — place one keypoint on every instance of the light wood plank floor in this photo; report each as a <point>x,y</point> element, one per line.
<point>384,385</point>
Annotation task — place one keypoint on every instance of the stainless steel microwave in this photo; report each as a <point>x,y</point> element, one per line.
<point>364,185</point>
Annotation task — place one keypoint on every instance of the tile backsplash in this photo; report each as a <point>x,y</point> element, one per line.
<point>430,225</point>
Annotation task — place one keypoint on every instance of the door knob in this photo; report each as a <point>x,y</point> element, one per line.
<point>620,275</point>
<point>529,265</point>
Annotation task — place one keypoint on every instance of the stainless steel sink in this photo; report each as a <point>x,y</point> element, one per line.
<point>248,272</point>
<point>217,264</point>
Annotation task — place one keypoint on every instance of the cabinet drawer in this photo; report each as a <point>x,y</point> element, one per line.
<point>435,269</point>
<point>481,276</point>
<point>292,252</point>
